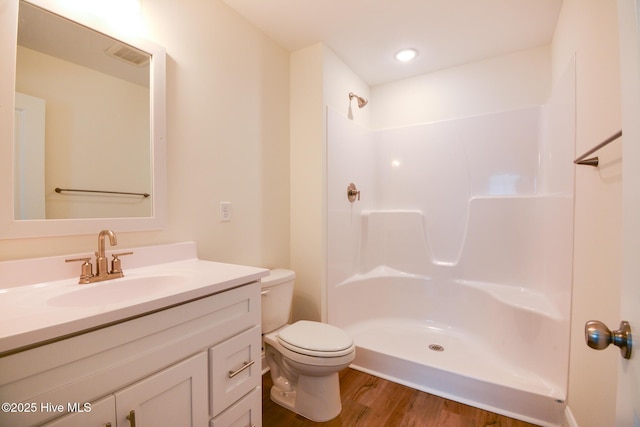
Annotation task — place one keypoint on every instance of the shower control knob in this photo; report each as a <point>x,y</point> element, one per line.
<point>352,192</point>
<point>598,336</point>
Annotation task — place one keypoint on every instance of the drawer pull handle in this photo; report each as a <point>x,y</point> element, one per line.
<point>244,366</point>
<point>132,418</point>
<point>107,425</point>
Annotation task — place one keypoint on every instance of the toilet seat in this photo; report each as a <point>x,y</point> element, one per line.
<point>315,339</point>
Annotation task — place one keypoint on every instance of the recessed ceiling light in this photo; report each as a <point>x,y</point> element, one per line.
<point>406,55</point>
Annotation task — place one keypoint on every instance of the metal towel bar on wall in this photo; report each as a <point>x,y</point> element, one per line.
<point>593,161</point>
<point>60,190</point>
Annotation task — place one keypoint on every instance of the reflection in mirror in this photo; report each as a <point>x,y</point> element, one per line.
<point>83,121</point>
<point>89,114</point>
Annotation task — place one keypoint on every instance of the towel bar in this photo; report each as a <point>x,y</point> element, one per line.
<point>593,161</point>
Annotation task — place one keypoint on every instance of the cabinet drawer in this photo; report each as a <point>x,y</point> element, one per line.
<point>247,412</point>
<point>234,369</point>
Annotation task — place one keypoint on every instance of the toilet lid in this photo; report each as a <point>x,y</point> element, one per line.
<point>314,338</point>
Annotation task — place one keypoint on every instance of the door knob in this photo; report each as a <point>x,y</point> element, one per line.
<point>598,336</point>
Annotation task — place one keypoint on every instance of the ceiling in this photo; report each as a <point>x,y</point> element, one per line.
<point>62,38</point>
<point>365,34</point>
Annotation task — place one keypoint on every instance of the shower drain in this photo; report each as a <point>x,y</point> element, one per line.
<point>436,347</point>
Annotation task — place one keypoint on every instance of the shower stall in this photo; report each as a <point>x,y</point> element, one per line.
<point>451,269</point>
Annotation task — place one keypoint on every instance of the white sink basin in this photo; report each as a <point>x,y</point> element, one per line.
<point>118,290</point>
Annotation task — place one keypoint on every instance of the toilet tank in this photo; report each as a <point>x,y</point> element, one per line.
<point>277,295</point>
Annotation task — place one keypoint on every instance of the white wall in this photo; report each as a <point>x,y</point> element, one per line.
<point>589,28</point>
<point>306,190</point>
<point>228,110</point>
<point>521,79</point>
<point>227,140</point>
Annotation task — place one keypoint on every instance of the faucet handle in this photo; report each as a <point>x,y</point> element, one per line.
<point>116,264</point>
<point>86,272</point>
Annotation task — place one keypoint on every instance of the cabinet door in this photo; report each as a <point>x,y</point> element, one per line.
<point>101,413</point>
<point>176,396</point>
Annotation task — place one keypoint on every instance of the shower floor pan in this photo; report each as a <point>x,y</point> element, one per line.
<point>444,362</point>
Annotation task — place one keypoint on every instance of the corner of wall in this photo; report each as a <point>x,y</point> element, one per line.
<point>306,175</point>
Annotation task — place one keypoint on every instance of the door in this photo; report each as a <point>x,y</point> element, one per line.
<point>29,150</point>
<point>628,399</point>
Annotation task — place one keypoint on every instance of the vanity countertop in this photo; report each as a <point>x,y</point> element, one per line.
<point>36,311</point>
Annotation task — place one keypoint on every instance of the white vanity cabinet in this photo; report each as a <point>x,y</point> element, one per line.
<point>102,414</point>
<point>191,364</point>
<point>175,396</point>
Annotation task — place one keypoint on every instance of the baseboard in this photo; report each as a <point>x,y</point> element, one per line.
<point>569,419</point>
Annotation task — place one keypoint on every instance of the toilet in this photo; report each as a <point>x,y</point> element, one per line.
<point>304,357</point>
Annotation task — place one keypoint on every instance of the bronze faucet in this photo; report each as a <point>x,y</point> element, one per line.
<point>101,261</point>
<point>102,271</point>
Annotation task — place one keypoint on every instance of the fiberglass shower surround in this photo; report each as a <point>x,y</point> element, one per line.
<point>453,271</point>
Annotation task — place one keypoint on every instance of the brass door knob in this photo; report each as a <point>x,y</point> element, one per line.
<point>598,336</point>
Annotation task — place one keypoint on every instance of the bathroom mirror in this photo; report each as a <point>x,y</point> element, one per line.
<point>84,111</point>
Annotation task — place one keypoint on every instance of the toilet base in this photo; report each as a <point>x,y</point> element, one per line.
<point>315,398</point>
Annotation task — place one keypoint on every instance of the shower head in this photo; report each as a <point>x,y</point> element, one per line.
<point>361,101</point>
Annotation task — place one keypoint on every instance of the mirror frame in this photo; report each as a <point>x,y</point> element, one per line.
<point>11,228</point>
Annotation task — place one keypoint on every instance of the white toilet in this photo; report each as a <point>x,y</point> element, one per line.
<point>304,357</point>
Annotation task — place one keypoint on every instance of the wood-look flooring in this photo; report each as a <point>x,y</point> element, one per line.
<point>369,401</point>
